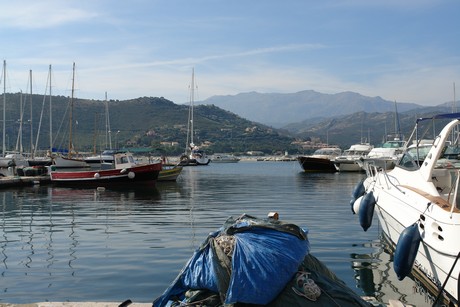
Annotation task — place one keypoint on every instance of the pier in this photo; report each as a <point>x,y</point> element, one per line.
<point>22,181</point>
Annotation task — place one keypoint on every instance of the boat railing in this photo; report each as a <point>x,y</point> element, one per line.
<point>372,170</point>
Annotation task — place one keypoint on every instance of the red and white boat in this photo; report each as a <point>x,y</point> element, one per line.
<point>123,171</point>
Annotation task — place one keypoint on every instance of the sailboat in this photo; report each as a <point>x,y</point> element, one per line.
<point>34,160</point>
<point>9,160</point>
<point>70,161</point>
<point>193,154</point>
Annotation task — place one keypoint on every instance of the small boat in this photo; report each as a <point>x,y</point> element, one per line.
<point>125,171</point>
<point>322,160</point>
<point>170,172</point>
<point>223,158</point>
<point>269,257</point>
<point>418,206</point>
<point>348,162</point>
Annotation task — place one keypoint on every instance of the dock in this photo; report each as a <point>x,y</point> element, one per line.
<point>22,181</point>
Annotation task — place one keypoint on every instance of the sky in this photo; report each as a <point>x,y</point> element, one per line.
<point>404,51</point>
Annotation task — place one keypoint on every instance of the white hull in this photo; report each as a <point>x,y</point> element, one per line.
<point>423,190</point>
<point>348,165</point>
<point>348,162</point>
<point>383,163</point>
<point>432,251</point>
<point>63,162</point>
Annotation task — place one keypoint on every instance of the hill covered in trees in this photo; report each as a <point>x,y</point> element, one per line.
<point>148,122</point>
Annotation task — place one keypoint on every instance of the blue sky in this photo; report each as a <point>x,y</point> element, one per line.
<point>407,51</point>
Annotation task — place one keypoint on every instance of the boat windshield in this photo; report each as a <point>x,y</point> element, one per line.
<point>410,160</point>
<point>327,152</point>
<point>393,144</point>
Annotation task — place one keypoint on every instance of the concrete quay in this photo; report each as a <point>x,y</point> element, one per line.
<point>22,181</point>
<point>76,304</point>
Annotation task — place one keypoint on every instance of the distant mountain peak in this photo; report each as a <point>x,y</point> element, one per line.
<point>280,109</point>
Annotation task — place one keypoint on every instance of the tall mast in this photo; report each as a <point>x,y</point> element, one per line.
<point>192,98</point>
<point>41,117</point>
<point>454,107</point>
<point>397,124</point>
<point>71,111</point>
<point>108,136</point>
<point>51,117</point>
<point>19,146</point>
<point>31,126</point>
<point>4,107</point>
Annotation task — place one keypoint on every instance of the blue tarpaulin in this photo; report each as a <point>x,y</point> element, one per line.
<point>265,257</point>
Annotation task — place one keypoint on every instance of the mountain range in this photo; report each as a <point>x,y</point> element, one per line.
<point>279,110</point>
<point>239,123</point>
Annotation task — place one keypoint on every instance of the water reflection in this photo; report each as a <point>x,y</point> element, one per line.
<point>63,244</point>
<point>375,276</point>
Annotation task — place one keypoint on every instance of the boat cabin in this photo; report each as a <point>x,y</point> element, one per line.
<point>124,160</point>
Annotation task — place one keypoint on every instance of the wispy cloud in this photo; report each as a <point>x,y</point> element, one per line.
<point>41,14</point>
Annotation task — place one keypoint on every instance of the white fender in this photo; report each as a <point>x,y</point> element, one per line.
<point>357,204</point>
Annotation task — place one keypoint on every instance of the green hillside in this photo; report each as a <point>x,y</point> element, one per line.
<point>159,126</point>
<point>147,122</point>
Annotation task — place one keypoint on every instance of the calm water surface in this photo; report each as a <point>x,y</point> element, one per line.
<point>60,244</point>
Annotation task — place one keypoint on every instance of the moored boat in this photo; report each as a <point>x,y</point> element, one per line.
<point>418,206</point>
<point>348,162</point>
<point>125,171</point>
<point>170,173</point>
<point>384,156</point>
<point>224,158</point>
<point>322,160</point>
<point>193,155</point>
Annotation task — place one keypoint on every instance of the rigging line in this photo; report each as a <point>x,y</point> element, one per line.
<point>41,117</point>
<point>445,281</point>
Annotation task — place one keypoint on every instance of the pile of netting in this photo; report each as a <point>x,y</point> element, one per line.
<point>256,261</point>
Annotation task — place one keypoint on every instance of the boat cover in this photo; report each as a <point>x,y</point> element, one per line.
<point>250,261</point>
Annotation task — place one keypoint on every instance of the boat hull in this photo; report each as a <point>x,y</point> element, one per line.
<point>142,174</point>
<point>65,162</point>
<point>347,165</point>
<point>397,208</point>
<point>312,164</point>
<point>170,174</point>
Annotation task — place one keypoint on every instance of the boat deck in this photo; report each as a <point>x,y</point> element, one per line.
<point>441,202</point>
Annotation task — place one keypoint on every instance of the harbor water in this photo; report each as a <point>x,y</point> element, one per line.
<point>62,244</point>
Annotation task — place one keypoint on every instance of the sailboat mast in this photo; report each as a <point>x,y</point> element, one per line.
<point>454,107</point>
<point>71,112</point>
<point>51,115</point>
<point>31,125</point>
<point>192,102</point>
<point>108,136</point>
<point>4,107</point>
<point>19,146</point>
<point>397,123</point>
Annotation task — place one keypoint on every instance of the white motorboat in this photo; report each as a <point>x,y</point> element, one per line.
<point>224,158</point>
<point>418,208</point>
<point>384,156</point>
<point>348,162</point>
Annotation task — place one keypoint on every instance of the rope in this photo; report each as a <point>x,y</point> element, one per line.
<point>445,281</point>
